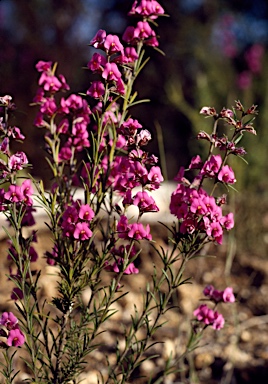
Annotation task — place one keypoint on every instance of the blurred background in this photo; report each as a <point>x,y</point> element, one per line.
<point>215,53</point>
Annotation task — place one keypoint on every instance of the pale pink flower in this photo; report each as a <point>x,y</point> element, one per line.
<point>228,295</point>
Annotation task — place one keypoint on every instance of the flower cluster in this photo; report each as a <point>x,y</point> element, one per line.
<point>75,221</point>
<point>11,331</point>
<point>122,256</point>
<point>199,213</point>
<point>209,316</point>
<point>10,163</point>
<point>225,296</point>
<point>67,119</point>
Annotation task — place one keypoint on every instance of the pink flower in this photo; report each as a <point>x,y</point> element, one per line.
<point>227,221</point>
<point>155,177</point>
<point>15,338</point>
<point>122,226</point>
<point>49,82</point>
<point>196,163</point>
<point>86,213</point>
<point>130,35</point>
<point>97,62</point>
<point>145,202</point>
<point>111,72</point>
<point>205,314</point>
<point>82,231</point>
<point>209,317</point>
<point>17,161</point>
<point>143,30</point>
<point>226,175</point>
<point>8,320</point>
<point>98,39</point>
<point>112,44</point>
<point>138,232</point>
<point>14,194</point>
<point>215,230</point>
<point>212,166</point>
<point>96,89</point>
<point>43,66</point>
<point>228,295</point>
<point>117,266</point>
<point>218,322</point>
<point>48,107</point>
<point>27,190</point>
<point>65,154</point>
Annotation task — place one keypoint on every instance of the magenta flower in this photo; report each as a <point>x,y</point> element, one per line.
<point>188,226</point>
<point>205,314</point>
<point>122,226</point>
<point>209,317</point>
<point>97,62</point>
<point>212,166</point>
<point>218,322</point>
<point>215,230</point>
<point>96,89</point>
<point>138,232</point>
<point>145,202</point>
<point>196,163</point>
<point>17,161</point>
<point>82,231</point>
<point>27,191</point>
<point>98,39</point>
<point>112,44</point>
<point>70,216</point>
<point>43,66</point>
<point>155,177</point>
<point>86,213</point>
<point>198,206</point>
<point>48,107</point>
<point>143,30</point>
<point>117,266</point>
<point>14,194</point>
<point>111,72</point>
<point>227,221</point>
<point>8,320</point>
<point>15,338</point>
<point>130,35</point>
<point>65,154</point>
<point>226,175</point>
<point>130,55</point>
<point>49,82</point>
